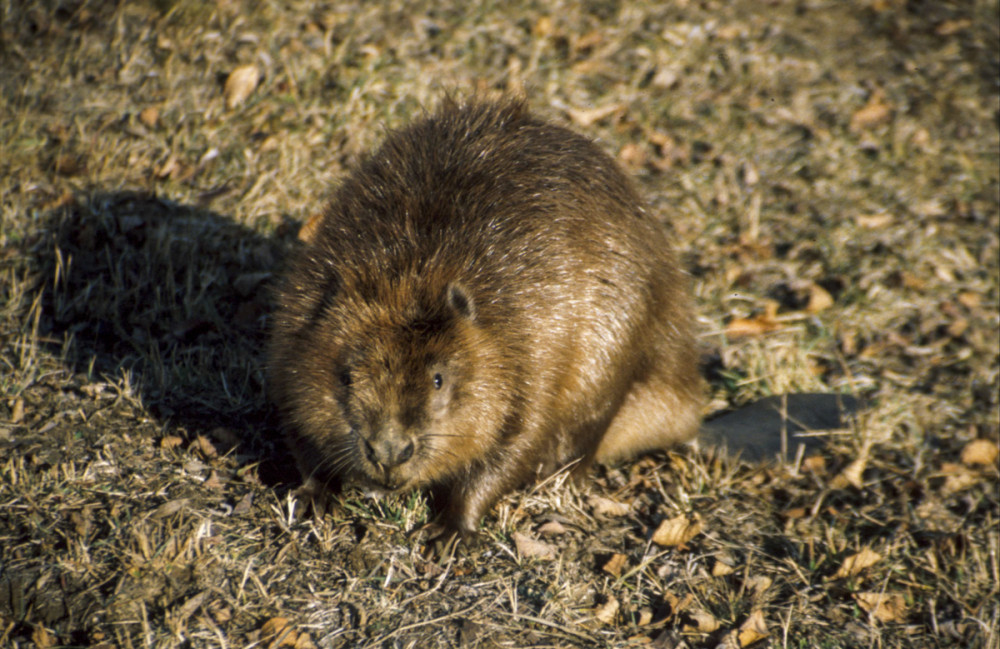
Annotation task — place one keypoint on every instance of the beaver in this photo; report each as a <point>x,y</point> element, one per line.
<point>485,301</point>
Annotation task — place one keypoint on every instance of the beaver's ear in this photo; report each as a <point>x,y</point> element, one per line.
<point>460,301</point>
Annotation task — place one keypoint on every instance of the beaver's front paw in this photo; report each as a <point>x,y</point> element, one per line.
<point>443,541</point>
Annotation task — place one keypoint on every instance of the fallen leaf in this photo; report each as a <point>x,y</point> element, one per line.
<point>243,506</point>
<point>855,563</point>
<point>853,473</point>
<point>876,111</point>
<point>615,565</point>
<point>170,508</point>
<point>149,116</point>
<point>721,570</point>
<point>543,27</point>
<point>969,299</point>
<point>703,622</point>
<point>278,632</point>
<point>814,464</point>
<point>607,612</point>
<point>959,478</point>
<point>585,117</point>
<point>171,441</point>
<point>69,164</point>
<point>980,451</point>
<point>552,528</point>
<point>240,84</point>
<point>751,327</point>
<point>884,607</point>
<point>759,583</point>
<point>213,482</point>
<point>204,446</point>
<point>632,156</point>
<point>42,638</point>
<point>957,327</point>
<point>608,507</point>
<point>819,299</point>
<point>678,530</point>
<point>532,548</point>
<point>874,221</point>
<point>753,629</point>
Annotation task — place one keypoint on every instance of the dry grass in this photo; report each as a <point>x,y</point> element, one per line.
<point>850,146</point>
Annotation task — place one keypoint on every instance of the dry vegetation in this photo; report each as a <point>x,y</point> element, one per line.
<point>830,169</point>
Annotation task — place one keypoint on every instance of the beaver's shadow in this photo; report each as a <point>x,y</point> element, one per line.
<point>176,296</point>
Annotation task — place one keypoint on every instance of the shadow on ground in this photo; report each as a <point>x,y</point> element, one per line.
<point>175,298</point>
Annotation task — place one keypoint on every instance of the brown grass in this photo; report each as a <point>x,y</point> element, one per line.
<point>144,498</point>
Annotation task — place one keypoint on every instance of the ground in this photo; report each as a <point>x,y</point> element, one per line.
<point>829,170</point>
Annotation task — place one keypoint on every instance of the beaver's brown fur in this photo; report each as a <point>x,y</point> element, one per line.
<point>485,301</point>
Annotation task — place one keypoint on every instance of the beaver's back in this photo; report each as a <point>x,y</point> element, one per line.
<point>536,220</point>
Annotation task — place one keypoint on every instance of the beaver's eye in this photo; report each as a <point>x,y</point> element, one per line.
<point>438,381</point>
<point>345,377</point>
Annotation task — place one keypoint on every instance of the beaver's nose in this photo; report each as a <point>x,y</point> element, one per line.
<point>389,451</point>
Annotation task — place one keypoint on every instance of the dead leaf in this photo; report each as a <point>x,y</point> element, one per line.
<point>856,563</point>
<point>243,506</point>
<point>957,327</point>
<point>608,507</point>
<point>721,570</point>
<point>980,451</point>
<point>751,327</point>
<point>149,116</point>
<point>969,299</point>
<point>42,638</point>
<point>543,27</point>
<point>278,632</point>
<point>170,508</point>
<point>204,446</point>
<point>585,117</point>
<point>874,221</point>
<point>532,548</point>
<point>759,583</point>
<point>795,513</point>
<point>171,441</point>
<point>877,111</point>
<point>815,464</point>
<point>607,612</point>
<point>703,622</point>
<point>853,473</point>
<point>819,299</point>
<point>552,528</point>
<point>959,478</point>
<point>753,629</point>
<point>213,482</point>
<point>678,530</point>
<point>884,607</point>
<point>615,565</point>
<point>240,84</point>
<point>632,156</point>
<point>70,164</point>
